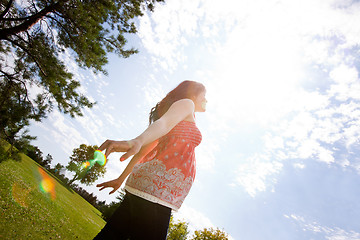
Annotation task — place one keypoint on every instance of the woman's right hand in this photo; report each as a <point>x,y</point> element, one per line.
<point>130,147</point>
<point>115,184</point>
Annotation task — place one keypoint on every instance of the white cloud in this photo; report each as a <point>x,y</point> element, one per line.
<point>196,219</point>
<point>344,74</point>
<point>314,128</point>
<point>299,165</point>
<point>205,154</point>
<point>334,123</point>
<point>153,92</point>
<point>93,124</point>
<point>164,39</point>
<point>315,131</point>
<point>325,155</point>
<point>255,174</point>
<point>330,233</point>
<point>64,132</point>
<point>317,122</point>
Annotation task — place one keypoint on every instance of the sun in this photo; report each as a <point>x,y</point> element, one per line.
<point>257,75</point>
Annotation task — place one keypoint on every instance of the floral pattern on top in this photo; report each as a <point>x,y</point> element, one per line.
<point>166,174</point>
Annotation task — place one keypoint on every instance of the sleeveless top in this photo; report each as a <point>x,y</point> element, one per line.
<point>166,173</point>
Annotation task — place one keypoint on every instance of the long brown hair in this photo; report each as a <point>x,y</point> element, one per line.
<point>186,89</point>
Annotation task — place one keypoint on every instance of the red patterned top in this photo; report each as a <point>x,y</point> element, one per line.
<point>165,175</point>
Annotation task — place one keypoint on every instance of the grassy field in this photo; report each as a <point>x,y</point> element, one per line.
<point>34,205</point>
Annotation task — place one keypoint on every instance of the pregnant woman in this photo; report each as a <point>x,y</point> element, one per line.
<point>162,170</point>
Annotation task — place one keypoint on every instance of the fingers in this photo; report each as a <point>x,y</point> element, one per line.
<point>130,152</point>
<point>102,185</point>
<point>108,185</point>
<point>107,145</point>
<point>114,189</point>
<point>125,156</point>
<point>119,146</point>
<point>108,151</point>
<point>104,145</point>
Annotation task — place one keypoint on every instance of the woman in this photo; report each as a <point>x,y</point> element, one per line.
<point>162,169</point>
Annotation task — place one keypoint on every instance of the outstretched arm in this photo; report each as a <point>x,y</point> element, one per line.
<point>177,112</point>
<point>116,183</point>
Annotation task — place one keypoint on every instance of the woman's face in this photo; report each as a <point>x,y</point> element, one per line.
<point>200,102</point>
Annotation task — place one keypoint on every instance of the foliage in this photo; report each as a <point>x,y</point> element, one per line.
<point>19,143</point>
<point>178,230</point>
<point>47,161</point>
<point>108,210</point>
<point>33,36</point>
<point>22,142</point>
<point>210,234</point>
<point>58,168</point>
<point>81,154</point>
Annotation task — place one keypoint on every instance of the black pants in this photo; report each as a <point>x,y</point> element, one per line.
<point>137,219</point>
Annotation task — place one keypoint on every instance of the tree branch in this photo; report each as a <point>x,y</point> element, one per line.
<point>63,27</point>
<point>9,85</point>
<point>12,79</point>
<point>32,20</point>
<point>16,19</point>
<point>29,53</point>
<point>49,30</point>
<point>34,6</point>
<point>6,9</point>
<point>68,18</point>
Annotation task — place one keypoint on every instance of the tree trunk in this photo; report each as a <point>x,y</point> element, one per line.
<point>74,179</point>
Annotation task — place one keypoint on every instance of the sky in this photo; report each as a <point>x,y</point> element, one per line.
<point>280,152</point>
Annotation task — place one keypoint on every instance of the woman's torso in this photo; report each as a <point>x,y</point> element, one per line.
<point>166,174</point>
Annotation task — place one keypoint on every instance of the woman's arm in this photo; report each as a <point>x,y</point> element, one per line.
<point>136,158</point>
<point>116,183</point>
<point>177,112</point>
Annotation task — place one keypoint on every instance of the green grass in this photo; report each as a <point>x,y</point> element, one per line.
<point>28,213</point>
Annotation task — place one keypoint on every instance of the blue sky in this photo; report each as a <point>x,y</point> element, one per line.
<point>280,151</point>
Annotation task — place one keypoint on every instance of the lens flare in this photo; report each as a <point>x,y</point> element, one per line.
<point>47,184</point>
<point>85,164</point>
<point>20,193</point>
<point>99,158</point>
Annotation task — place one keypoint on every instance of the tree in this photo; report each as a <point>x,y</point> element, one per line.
<point>210,234</point>
<point>47,161</point>
<point>81,154</point>
<point>58,168</point>
<point>15,112</point>
<point>108,210</point>
<point>178,230</point>
<point>35,154</point>
<point>22,142</point>
<point>34,34</point>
